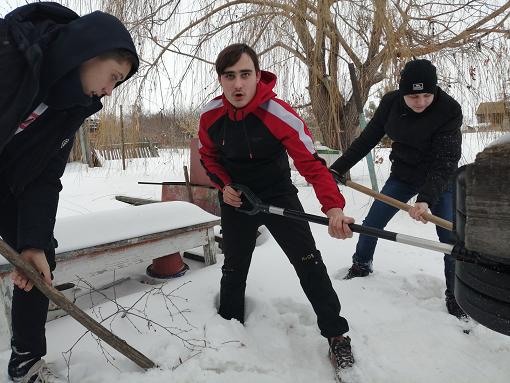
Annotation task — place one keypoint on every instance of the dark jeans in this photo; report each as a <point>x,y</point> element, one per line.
<point>295,239</point>
<point>29,309</point>
<point>380,214</point>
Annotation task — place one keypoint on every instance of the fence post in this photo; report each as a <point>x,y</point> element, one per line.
<point>122,149</point>
<point>85,146</point>
<point>362,124</point>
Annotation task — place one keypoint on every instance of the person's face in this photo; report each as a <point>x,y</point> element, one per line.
<point>99,76</point>
<point>419,102</point>
<point>239,81</point>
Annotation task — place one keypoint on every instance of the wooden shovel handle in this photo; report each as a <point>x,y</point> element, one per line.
<point>89,323</point>
<point>398,204</point>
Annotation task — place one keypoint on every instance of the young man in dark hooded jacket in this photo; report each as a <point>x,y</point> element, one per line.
<point>245,135</point>
<point>423,123</point>
<point>56,67</point>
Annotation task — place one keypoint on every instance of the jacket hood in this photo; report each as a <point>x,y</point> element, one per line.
<point>83,39</point>
<point>67,40</point>
<point>264,93</point>
<point>42,13</point>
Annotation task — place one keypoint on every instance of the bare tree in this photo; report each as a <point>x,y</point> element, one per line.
<point>309,44</point>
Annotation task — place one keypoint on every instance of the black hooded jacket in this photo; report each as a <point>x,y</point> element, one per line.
<point>42,46</point>
<point>426,146</point>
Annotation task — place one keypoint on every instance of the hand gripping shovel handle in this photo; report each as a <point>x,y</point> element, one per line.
<point>56,296</point>
<point>445,224</point>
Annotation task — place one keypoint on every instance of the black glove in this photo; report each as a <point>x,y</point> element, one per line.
<point>339,178</point>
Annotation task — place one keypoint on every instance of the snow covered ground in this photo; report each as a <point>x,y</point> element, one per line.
<point>400,329</point>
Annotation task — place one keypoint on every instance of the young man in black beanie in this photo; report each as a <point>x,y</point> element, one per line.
<point>423,123</point>
<point>56,67</point>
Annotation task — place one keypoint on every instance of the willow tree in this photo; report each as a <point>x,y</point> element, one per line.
<point>315,40</point>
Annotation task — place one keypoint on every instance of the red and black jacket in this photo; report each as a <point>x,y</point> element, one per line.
<point>249,146</point>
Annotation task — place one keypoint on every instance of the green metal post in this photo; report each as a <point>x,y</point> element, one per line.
<point>362,124</point>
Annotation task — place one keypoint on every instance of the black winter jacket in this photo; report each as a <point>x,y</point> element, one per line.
<point>426,146</point>
<point>41,48</point>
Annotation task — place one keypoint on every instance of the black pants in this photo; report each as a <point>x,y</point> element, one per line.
<point>295,239</point>
<point>29,309</point>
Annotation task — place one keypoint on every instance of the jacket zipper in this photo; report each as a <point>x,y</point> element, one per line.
<point>247,138</point>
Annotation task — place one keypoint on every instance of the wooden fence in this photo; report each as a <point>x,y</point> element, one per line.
<point>141,149</point>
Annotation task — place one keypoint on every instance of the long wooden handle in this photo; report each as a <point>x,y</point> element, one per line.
<point>398,204</point>
<point>90,324</point>
<point>188,185</point>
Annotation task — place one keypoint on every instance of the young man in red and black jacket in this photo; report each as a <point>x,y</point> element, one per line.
<point>245,135</point>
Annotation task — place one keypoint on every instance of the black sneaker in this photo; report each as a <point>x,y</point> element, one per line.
<point>358,270</point>
<point>453,307</point>
<point>340,352</point>
<point>39,372</point>
<point>20,363</point>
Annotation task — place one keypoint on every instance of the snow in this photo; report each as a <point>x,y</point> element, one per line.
<point>400,329</point>
<point>110,225</point>
<point>505,139</point>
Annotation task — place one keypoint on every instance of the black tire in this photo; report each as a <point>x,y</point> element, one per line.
<point>488,312</point>
<point>459,223</point>
<point>490,283</point>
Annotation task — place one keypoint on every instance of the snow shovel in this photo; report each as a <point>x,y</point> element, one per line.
<point>481,283</point>
<point>57,297</point>
<point>456,250</point>
<point>390,201</point>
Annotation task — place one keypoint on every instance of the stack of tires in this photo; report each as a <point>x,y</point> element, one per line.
<point>481,289</point>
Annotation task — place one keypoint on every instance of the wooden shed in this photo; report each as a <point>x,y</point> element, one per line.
<point>496,114</point>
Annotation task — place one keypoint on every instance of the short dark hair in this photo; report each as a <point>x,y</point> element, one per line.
<point>231,54</point>
<point>121,55</point>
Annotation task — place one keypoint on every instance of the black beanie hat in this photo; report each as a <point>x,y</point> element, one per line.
<point>418,76</point>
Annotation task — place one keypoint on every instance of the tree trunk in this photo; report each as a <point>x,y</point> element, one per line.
<point>338,123</point>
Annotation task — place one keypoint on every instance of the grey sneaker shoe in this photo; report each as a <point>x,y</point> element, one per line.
<point>340,352</point>
<point>38,373</point>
